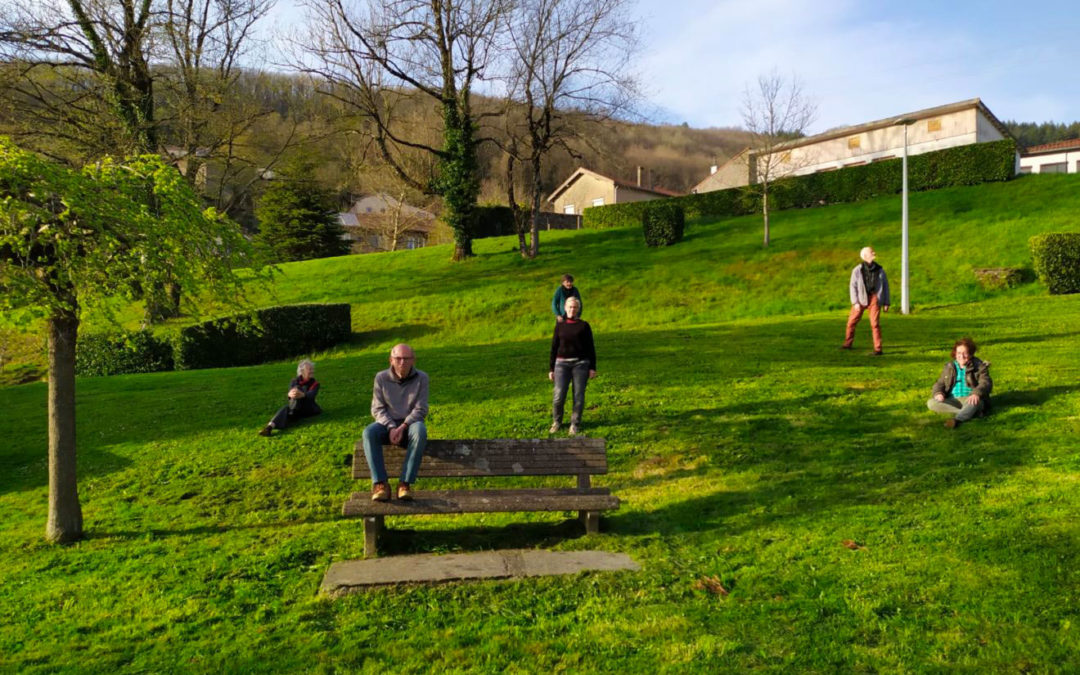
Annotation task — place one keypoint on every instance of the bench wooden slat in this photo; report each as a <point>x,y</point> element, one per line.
<point>500,457</point>
<point>483,501</point>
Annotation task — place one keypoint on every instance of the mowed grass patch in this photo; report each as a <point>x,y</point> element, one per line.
<point>747,451</point>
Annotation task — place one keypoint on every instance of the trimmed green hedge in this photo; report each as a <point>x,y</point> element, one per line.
<point>492,221</point>
<point>964,165</point>
<point>117,354</point>
<point>663,223</point>
<point>1057,260</point>
<point>277,333</point>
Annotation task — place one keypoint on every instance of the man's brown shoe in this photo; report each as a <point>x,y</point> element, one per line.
<point>380,492</point>
<point>404,492</point>
<point>266,431</point>
<point>952,423</point>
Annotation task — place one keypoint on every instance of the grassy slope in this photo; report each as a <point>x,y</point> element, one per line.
<point>743,444</point>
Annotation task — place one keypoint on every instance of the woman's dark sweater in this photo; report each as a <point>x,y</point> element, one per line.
<point>573,340</point>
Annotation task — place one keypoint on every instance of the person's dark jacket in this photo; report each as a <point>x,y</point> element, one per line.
<point>310,388</point>
<point>558,303</point>
<point>573,339</point>
<point>977,376</point>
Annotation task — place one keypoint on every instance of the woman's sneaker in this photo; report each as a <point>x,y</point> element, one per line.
<point>574,430</point>
<point>555,426</point>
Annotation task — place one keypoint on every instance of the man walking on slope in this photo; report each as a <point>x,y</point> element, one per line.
<point>869,289</point>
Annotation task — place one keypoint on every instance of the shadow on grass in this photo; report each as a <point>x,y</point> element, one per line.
<point>395,541</point>
<point>157,532</point>
<point>400,333</point>
<point>798,481</point>
<point>29,469</point>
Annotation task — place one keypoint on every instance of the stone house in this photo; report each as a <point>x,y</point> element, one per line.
<point>585,188</point>
<point>938,128</point>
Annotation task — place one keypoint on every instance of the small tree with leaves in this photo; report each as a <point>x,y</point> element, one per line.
<point>69,238</point>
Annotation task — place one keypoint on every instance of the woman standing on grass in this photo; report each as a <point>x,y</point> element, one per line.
<point>963,390</point>
<point>573,359</point>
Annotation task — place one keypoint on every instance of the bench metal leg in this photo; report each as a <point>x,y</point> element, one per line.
<point>591,520</point>
<point>373,526</point>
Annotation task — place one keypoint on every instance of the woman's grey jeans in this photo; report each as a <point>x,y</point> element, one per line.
<point>576,370</point>
<point>958,407</point>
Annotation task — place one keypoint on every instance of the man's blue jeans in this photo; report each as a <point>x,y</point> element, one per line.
<point>376,435</point>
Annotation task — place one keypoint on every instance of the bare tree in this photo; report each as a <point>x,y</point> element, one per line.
<point>569,66</point>
<point>84,75</point>
<point>776,112</point>
<point>203,43</point>
<point>378,56</point>
<point>85,78</point>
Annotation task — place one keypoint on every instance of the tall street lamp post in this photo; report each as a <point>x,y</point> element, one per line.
<point>905,303</point>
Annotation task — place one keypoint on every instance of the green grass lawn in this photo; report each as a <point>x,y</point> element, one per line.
<point>743,445</point>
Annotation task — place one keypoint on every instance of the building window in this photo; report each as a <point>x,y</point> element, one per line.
<point>568,209</point>
<point>854,142</point>
<point>882,159</point>
<point>828,168</point>
<point>859,163</point>
<point>933,125</point>
<point>1078,166</point>
<point>599,201</point>
<point>1056,167</point>
<point>1025,169</point>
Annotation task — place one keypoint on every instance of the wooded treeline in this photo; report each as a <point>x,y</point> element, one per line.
<point>314,127</point>
<point>1028,134</point>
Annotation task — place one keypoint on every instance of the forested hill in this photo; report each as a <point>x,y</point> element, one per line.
<point>1031,133</point>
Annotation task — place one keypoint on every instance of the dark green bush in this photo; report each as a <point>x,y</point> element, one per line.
<point>1057,260</point>
<point>663,222</point>
<point>277,333</point>
<point>492,221</point>
<point>965,165</point>
<point>116,354</point>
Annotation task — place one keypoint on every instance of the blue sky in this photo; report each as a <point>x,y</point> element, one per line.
<point>863,60</point>
<point>860,60</point>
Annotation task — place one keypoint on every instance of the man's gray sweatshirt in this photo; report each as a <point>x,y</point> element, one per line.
<point>394,401</point>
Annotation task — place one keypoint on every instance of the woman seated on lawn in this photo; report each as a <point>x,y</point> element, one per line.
<point>963,390</point>
<point>302,392</point>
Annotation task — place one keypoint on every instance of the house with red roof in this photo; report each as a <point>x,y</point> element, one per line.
<point>1059,157</point>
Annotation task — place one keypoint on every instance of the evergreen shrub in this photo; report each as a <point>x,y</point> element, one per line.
<point>275,333</point>
<point>120,353</point>
<point>663,222</point>
<point>1057,260</point>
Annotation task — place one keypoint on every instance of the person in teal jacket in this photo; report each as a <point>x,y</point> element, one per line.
<point>565,290</point>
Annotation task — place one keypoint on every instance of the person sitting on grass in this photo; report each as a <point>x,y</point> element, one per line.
<point>302,392</point>
<point>564,292</point>
<point>573,359</point>
<point>963,390</point>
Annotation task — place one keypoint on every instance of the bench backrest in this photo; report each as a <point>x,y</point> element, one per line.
<point>577,456</point>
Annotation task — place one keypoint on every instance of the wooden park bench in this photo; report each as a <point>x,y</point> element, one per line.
<point>581,457</point>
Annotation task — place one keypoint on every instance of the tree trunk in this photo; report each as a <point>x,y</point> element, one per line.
<point>511,199</point>
<point>65,514</point>
<point>534,219</point>
<point>765,212</point>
